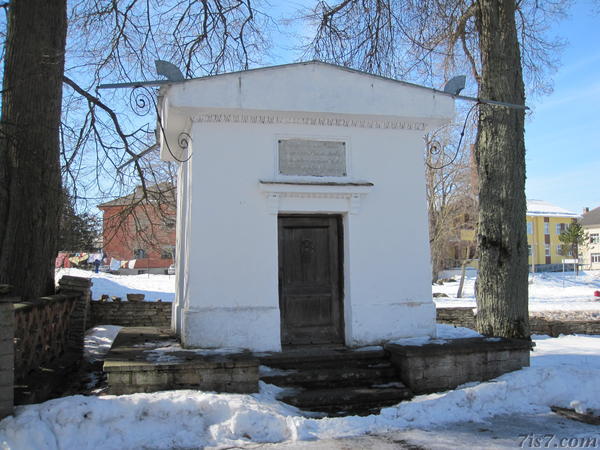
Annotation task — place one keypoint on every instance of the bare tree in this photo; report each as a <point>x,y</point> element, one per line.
<point>502,299</point>
<point>91,137</point>
<point>452,202</point>
<point>30,185</point>
<point>493,39</point>
<point>119,42</point>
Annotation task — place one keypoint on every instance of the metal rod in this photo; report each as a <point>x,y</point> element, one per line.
<point>491,102</point>
<point>162,82</point>
<point>134,84</point>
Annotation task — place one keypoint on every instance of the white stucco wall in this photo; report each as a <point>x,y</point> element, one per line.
<point>227,280</point>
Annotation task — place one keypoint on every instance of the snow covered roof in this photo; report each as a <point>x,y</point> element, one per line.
<point>591,217</point>
<point>542,208</point>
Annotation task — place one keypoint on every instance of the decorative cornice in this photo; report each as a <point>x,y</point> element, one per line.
<point>275,119</point>
<point>351,193</point>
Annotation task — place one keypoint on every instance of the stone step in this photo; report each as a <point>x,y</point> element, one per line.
<point>345,399</point>
<point>294,358</point>
<point>351,364</point>
<point>332,377</point>
<point>336,381</point>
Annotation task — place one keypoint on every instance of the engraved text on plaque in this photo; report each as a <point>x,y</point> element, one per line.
<point>312,158</point>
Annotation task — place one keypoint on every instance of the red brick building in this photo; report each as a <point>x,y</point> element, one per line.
<point>141,229</point>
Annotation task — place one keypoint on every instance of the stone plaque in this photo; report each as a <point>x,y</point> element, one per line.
<point>312,158</point>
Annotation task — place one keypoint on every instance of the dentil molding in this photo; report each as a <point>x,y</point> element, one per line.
<point>275,119</point>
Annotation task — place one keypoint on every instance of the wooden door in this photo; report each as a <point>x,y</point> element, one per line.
<point>310,281</point>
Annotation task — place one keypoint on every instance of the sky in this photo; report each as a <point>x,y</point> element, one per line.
<point>562,135</point>
<point>562,132</point>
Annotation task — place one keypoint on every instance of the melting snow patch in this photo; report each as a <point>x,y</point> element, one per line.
<point>444,333</point>
<point>163,351</point>
<point>98,341</point>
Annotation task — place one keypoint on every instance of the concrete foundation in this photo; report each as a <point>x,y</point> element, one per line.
<point>440,367</point>
<point>134,365</point>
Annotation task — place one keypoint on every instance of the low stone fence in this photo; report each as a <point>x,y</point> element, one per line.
<point>130,314</point>
<point>459,316</point>
<point>465,317</point>
<point>539,325</point>
<point>39,334</point>
<point>7,358</point>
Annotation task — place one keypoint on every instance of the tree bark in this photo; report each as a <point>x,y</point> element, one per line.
<point>30,181</point>
<point>502,299</point>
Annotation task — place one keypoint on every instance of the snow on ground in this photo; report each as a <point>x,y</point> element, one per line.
<point>154,286</point>
<point>548,291</point>
<point>443,333</point>
<point>564,372</point>
<point>98,340</point>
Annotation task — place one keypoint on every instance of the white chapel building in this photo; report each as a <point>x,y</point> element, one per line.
<point>302,215</point>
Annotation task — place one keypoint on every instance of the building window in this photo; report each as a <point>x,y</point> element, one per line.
<point>529,227</point>
<point>596,257</point>
<point>547,249</point>
<point>139,253</point>
<point>594,238</point>
<point>559,249</point>
<point>560,227</point>
<point>529,250</point>
<point>546,228</point>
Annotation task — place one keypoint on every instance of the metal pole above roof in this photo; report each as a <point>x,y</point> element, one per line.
<point>134,84</point>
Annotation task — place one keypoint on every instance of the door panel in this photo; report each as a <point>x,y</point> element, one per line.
<point>309,279</point>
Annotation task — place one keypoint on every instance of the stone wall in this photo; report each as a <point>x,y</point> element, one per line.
<point>464,317</point>
<point>78,322</point>
<point>44,333</point>
<point>459,316</point>
<point>39,337</point>
<point>440,367</point>
<point>554,328</point>
<point>6,357</point>
<point>131,314</point>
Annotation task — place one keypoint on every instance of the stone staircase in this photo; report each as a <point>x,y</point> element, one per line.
<point>335,381</point>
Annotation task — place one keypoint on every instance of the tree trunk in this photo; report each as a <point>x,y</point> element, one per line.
<point>500,158</point>
<point>30,181</point>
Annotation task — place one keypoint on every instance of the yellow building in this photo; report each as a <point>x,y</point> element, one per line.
<point>544,224</point>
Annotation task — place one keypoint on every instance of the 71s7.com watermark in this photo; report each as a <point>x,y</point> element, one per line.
<point>554,441</point>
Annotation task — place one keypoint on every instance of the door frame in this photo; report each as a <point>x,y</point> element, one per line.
<point>341,269</point>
